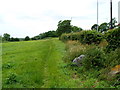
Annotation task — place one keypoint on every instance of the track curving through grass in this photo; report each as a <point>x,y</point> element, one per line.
<point>35,64</point>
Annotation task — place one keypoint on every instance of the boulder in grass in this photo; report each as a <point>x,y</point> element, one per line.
<point>78,60</point>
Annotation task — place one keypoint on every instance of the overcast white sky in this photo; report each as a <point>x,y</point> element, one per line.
<point>22,18</point>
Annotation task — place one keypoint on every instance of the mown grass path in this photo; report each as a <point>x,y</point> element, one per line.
<point>35,64</point>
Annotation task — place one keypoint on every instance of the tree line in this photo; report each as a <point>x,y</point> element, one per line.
<point>104,26</point>
<point>62,27</point>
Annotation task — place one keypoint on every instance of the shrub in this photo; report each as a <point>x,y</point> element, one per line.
<point>85,37</point>
<point>94,59</point>
<point>70,36</point>
<point>89,37</point>
<point>75,36</point>
<point>113,39</point>
<point>65,37</point>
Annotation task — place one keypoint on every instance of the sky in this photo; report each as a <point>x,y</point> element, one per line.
<point>21,18</point>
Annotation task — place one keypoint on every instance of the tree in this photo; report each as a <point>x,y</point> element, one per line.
<point>36,37</point>
<point>94,27</point>
<point>11,39</point>
<point>63,27</point>
<point>76,29</point>
<point>6,36</point>
<point>50,34</point>
<point>103,27</point>
<point>114,21</point>
<point>33,38</point>
<point>16,39</point>
<point>27,38</point>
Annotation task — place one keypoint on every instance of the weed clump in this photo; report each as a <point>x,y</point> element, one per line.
<point>7,65</point>
<point>11,79</point>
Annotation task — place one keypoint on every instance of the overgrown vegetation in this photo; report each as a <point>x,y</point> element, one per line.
<point>48,63</point>
<point>113,39</point>
<point>97,63</point>
<point>85,37</point>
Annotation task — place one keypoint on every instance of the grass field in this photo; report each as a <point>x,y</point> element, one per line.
<point>0,64</point>
<point>34,64</point>
<point>39,64</point>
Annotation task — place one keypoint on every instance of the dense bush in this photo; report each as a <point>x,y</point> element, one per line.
<point>113,39</point>
<point>85,37</point>
<point>89,37</point>
<point>75,36</point>
<point>94,59</point>
<point>70,36</point>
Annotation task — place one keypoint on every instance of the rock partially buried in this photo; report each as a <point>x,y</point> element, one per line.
<point>78,60</point>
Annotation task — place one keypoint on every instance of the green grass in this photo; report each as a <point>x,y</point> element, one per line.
<point>39,64</point>
<point>0,64</point>
<point>34,64</point>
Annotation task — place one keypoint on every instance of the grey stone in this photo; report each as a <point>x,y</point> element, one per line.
<point>78,60</point>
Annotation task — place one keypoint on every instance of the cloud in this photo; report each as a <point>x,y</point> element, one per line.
<point>1,20</point>
<point>31,17</point>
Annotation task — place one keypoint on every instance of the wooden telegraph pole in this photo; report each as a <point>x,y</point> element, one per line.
<point>111,26</point>
<point>97,15</point>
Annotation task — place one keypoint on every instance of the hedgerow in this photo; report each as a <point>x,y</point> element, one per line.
<point>90,37</point>
<point>96,59</point>
<point>85,37</point>
<point>113,39</point>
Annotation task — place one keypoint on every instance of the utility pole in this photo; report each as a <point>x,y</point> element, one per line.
<point>97,15</point>
<point>119,13</point>
<point>111,26</point>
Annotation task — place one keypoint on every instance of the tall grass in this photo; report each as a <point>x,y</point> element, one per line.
<point>96,64</point>
<point>0,62</point>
